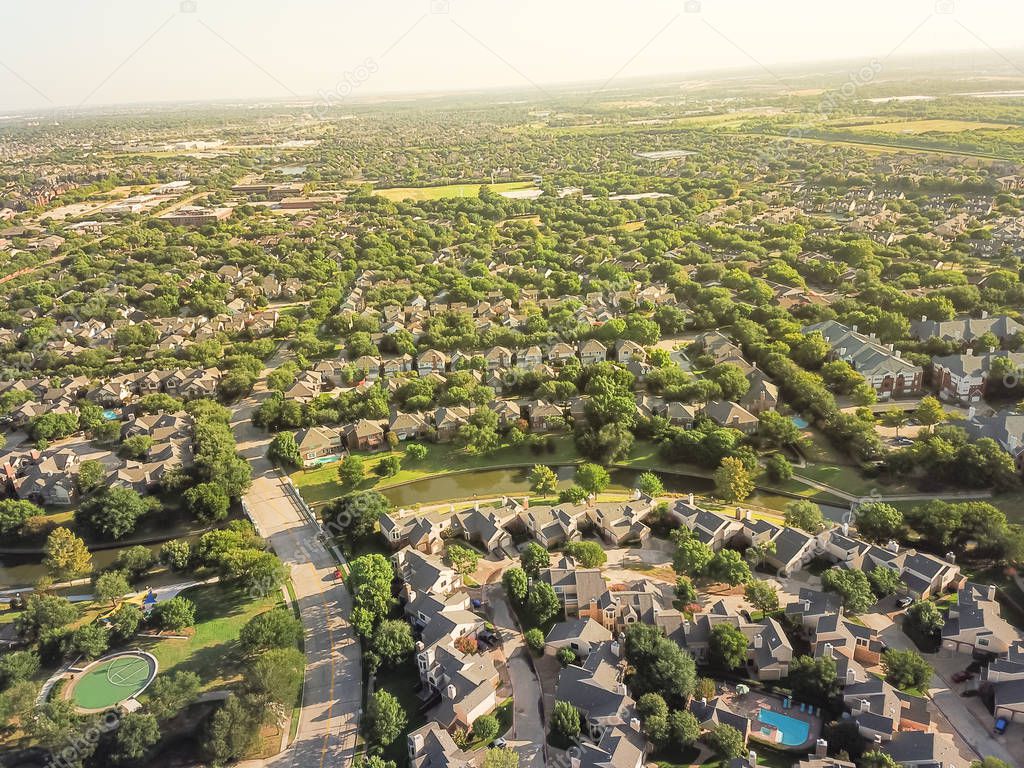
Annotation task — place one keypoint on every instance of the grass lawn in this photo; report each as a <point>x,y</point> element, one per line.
<point>221,612</point>
<point>448,190</point>
<point>321,484</point>
<point>402,682</point>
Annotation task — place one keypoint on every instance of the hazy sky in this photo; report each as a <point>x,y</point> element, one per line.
<point>95,52</point>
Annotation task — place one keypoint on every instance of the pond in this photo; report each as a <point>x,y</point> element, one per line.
<point>499,482</point>
<point>25,570</point>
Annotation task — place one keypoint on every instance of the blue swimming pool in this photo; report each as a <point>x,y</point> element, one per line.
<point>799,421</point>
<point>794,732</point>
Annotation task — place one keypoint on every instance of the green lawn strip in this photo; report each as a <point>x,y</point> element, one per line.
<point>402,682</point>
<point>297,709</point>
<point>321,484</point>
<point>221,612</point>
<point>503,712</point>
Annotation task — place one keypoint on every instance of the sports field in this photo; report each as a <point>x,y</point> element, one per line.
<point>928,126</point>
<point>448,190</point>
<point>112,680</point>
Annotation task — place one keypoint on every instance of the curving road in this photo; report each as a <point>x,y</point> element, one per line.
<point>332,693</point>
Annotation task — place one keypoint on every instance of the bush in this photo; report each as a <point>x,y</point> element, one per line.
<point>535,640</point>
<point>173,614</point>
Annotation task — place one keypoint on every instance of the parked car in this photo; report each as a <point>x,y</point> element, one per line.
<point>1000,726</point>
<point>499,743</point>
<point>960,677</point>
<point>904,602</point>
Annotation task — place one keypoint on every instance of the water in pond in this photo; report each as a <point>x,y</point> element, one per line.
<point>25,570</point>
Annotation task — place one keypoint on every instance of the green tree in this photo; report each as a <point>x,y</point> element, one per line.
<point>895,418</point>
<point>929,412</point>
<point>685,592</point>
<point>588,554</point>
<point>566,656</point>
<point>926,616</point>
<point>878,522</point>
<point>485,728</point>
<point>533,559</point>
<point>504,757</point>
<point>135,561</point>
<point>660,665</point>
<point>778,431</point>
<point>728,565</point>
<point>351,471</point>
<point>534,640</point>
<point>725,741</point>
<point>370,579</point>
<point>762,595</point>
<point>727,647</point>
<point>171,693</point>
<point>463,559</point>
<point>208,502</point>
<point>778,468</point>
<point>176,554</point>
<point>89,641</point>
<point>516,583</point>
<point>115,512</point>
<point>275,675</point>
<point>416,452</point>
<point>906,669</point>
<point>805,515</point>
<point>14,514</point>
<point>813,679</point>
<point>732,480</point>
<point>383,721</point>
<point>43,613</point>
<point>91,475</point>
<point>110,586</point>
<point>66,555</point>
<point>878,759</point>
<point>233,730</point>
<point>565,722</point>
<point>650,484</point>
<point>392,641</point>
<point>692,556</point>
<point>355,515</point>
<point>277,628</point>
<point>125,621</point>
<point>389,466</point>
<point>852,586</point>
<point>684,728</point>
<point>16,666</point>
<point>136,734</point>
<point>543,480</point>
<point>884,581</point>
<point>542,602</point>
<point>592,477</point>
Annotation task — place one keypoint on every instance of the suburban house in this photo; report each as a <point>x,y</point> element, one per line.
<point>1006,427</point>
<point>596,687</point>
<point>592,351</point>
<point>882,366</point>
<point>580,636</point>
<point>316,443</point>
<point>364,435</point>
<point>409,426</point>
<point>967,329</point>
<point>975,623</point>
<point>964,378</point>
<point>728,414</point>
<point>881,711</point>
<point>426,573</point>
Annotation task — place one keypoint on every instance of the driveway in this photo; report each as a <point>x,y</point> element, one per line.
<point>528,734</point>
<point>955,715</point>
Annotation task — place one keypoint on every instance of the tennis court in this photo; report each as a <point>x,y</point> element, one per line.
<point>113,679</point>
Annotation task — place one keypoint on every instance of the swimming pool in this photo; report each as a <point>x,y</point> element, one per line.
<point>794,732</point>
<point>799,422</point>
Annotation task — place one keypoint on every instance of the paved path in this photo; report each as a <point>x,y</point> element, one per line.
<point>528,736</point>
<point>332,693</point>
